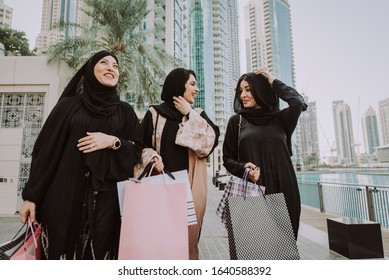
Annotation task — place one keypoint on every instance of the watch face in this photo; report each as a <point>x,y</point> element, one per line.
<point>117,144</point>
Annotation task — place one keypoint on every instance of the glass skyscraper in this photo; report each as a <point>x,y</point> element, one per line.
<point>343,132</point>
<point>370,131</point>
<point>268,39</point>
<point>214,56</point>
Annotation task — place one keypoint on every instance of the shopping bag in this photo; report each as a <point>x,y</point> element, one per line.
<point>178,176</point>
<point>8,248</point>
<point>237,187</point>
<point>259,227</point>
<point>32,246</point>
<point>154,221</point>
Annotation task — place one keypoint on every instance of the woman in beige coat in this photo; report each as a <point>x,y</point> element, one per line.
<point>185,148</point>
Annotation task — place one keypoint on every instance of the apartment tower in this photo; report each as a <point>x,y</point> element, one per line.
<point>383,109</point>
<point>343,132</point>
<point>214,56</point>
<point>370,131</point>
<point>53,12</point>
<point>5,14</point>
<point>308,123</point>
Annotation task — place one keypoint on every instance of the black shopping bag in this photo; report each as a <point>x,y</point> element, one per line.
<point>259,228</point>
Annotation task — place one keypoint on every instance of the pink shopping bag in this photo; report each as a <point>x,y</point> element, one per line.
<point>154,221</point>
<point>31,248</point>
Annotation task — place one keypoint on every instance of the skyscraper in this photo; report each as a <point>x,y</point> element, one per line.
<point>268,38</point>
<point>383,108</point>
<point>214,56</point>
<point>53,12</point>
<point>5,14</point>
<point>171,19</point>
<point>308,124</point>
<point>370,131</point>
<point>343,132</point>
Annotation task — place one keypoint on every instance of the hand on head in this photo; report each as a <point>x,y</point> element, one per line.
<point>265,72</point>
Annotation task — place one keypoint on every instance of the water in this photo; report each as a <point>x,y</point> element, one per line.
<point>346,200</point>
<point>346,177</point>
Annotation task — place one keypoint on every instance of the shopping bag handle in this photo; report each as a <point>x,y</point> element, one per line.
<point>245,179</point>
<point>149,168</point>
<point>31,226</point>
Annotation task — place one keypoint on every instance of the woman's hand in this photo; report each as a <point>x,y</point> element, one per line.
<point>264,71</point>
<point>27,210</point>
<point>158,165</point>
<point>95,141</point>
<point>254,172</point>
<point>182,105</point>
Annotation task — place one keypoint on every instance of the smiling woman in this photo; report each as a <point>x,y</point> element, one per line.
<point>180,151</point>
<point>258,137</point>
<point>106,71</point>
<point>90,141</point>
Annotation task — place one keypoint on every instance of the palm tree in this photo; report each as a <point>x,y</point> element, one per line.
<point>117,26</point>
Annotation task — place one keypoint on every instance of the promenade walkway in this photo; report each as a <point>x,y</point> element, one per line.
<point>312,241</point>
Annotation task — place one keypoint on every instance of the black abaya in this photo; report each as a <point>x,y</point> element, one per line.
<point>75,193</point>
<point>65,200</point>
<point>267,146</point>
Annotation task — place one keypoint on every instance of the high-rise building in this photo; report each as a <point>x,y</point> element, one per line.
<point>214,56</point>
<point>268,37</point>
<point>5,14</point>
<point>308,124</point>
<point>383,108</point>
<point>268,42</point>
<point>171,19</point>
<point>54,12</point>
<point>370,131</point>
<point>343,132</point>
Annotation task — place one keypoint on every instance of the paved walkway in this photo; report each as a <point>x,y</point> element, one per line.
<point>312,241</point>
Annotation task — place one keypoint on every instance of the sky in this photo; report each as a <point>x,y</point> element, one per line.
<point>341,52</point>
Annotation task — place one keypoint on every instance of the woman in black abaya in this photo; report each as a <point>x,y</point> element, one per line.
<point>264,141</point>
<point>89,142</point>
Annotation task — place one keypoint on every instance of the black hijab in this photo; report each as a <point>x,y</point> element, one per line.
<point>174,85</point>
<point>263,94</point>
<point>101,101</point>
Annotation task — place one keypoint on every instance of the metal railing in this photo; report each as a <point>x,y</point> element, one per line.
<point>349,200</point>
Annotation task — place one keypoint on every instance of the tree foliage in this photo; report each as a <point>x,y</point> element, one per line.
<point>311,160</point>
<point>15,42</point>
<point>118,26</point>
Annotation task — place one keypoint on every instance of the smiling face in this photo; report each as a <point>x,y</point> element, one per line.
<point>106,71</point>
<point>246,96</point>
<point>191,89</point>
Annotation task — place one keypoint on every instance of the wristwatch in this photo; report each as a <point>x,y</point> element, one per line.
<point>116,144</point>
